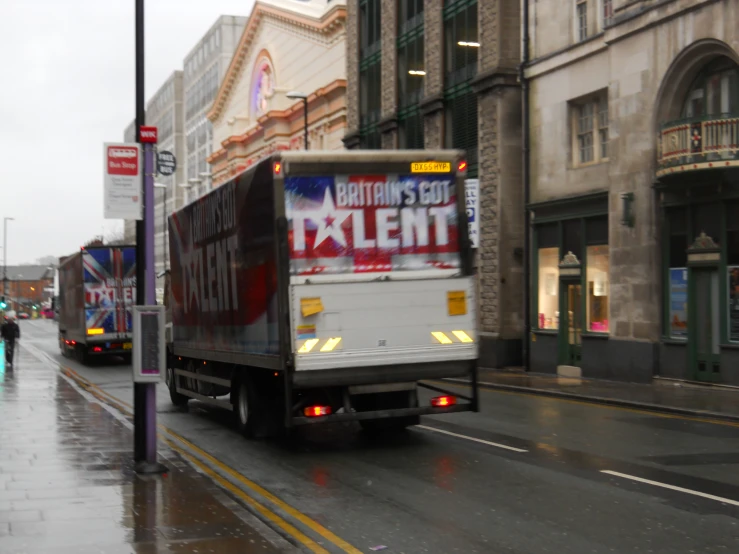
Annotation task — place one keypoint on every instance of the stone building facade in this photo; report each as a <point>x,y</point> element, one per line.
<point>285,47</point>
<point>635,210</point>
<point>444,74</point>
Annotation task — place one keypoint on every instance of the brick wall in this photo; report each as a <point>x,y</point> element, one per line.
<point>389,60</point>
<point>30,290</point>
<point>434,79</point>
<point>352,65</point>
<point>500,262</point>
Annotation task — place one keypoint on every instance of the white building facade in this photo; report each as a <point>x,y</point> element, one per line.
<point>286,46</point>
<point>204,68</point>
<point>164,111</point>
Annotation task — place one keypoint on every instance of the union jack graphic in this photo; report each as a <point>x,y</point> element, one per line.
<point>109,275</point>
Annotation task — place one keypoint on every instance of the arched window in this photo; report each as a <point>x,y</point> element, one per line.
<point>715,91</point>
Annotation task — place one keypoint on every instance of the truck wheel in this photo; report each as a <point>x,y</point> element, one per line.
<point>81,356</point>
<point>243,408</point>
<point>177,398</point>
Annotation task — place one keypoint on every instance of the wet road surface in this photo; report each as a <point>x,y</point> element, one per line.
<point>67,483</point>
<point>527,474</point>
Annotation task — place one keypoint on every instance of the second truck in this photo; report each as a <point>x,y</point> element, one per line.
<point>97,291</point>
<point>326,286</point>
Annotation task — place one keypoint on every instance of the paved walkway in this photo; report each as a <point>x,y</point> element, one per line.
<point>67,484</point>
<point>663,395</point>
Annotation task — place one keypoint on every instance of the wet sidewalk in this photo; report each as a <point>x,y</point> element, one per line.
<point>67,485</point>
<point>661,395</point>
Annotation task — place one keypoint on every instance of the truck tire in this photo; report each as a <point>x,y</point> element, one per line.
<point>177,398</point>
<point>243,408</point>
<point>80,354</point>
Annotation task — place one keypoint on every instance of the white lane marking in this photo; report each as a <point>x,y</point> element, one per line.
<point>671,487</point>
<point>497,445</point>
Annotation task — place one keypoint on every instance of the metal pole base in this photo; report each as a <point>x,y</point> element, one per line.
<point>150,468</point>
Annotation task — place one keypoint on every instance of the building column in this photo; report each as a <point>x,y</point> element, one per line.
<point>389,65</point>
<point>500,254</point>
<point>351,137</point>
<point>432,105</point>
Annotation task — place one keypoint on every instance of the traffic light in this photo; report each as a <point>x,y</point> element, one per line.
<point>3,304</point>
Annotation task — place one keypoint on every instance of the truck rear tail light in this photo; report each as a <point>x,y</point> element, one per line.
<point>441,337</point>
<point>308,346</point>
<point>443,401</point>
<point>330,344</point>
<point>97,349</point>
<point>462,166</point>
<point>277,167</point>
<point>73,342</point>
<point>317,411</point>
<point>95,331</point>
<point>462,336</point>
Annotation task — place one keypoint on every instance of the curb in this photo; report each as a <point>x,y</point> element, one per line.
<point>617,402</point>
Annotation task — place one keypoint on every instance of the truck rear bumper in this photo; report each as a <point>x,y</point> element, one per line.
<point>382,374</point>
<point>382,414</point>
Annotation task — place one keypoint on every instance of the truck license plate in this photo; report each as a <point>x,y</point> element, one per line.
<point>127,346</point>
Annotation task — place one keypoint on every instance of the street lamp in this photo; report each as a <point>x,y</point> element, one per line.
<point>5,252</point>
<point>295,95</point>
<point>164,223</point>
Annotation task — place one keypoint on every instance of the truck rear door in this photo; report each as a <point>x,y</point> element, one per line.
<point>109,276</point>
<point>376,269</point>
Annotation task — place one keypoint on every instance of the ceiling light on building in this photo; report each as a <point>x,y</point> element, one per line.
<point>470,44</point>
<point>416,72</point>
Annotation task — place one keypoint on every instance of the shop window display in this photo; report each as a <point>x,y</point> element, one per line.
<point>548,317</point>
<point>598,285</point>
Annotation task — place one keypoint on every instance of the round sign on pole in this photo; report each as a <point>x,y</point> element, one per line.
<point>166,163</point>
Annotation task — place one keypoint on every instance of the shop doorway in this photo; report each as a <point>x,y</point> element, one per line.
<point>570,324</point>
<point>704,323</point>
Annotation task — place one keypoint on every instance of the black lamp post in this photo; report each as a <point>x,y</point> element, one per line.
<point>295,95</point>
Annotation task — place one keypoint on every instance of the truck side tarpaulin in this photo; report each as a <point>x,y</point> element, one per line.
<point>223,282</point>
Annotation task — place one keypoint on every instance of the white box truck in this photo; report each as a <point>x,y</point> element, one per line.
<point>325,286</point>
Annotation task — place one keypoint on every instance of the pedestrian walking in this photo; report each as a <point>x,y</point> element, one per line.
<point>10,333</point>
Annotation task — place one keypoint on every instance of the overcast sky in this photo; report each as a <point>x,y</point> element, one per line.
<point>68,87</point>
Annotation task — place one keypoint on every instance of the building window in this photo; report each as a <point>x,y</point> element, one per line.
<point>461,51</point>
<point>548,276</point>
<point>369,27</point>
<point>715,91</point>
<point>597,270</point>
<point>411,72</point>
<point>590,124</point>
<point>677,261</point>
<point>548,288</point>
<point>607,12</point>
<point>581,19</point>
<point>410,15</point>
<point>587,239</point>
<point>370,75</point>
<point>461,41</point>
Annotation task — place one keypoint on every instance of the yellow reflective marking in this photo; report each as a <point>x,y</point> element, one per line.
<point>308,346</point>
<point>267,513</point>
<point>299,516</point>
<point>330,344</point>
<point>441,337</point>
<point>462,336</point>
<point>95,331</point>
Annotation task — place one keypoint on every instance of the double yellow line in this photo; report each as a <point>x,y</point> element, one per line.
<point>197,456</point>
